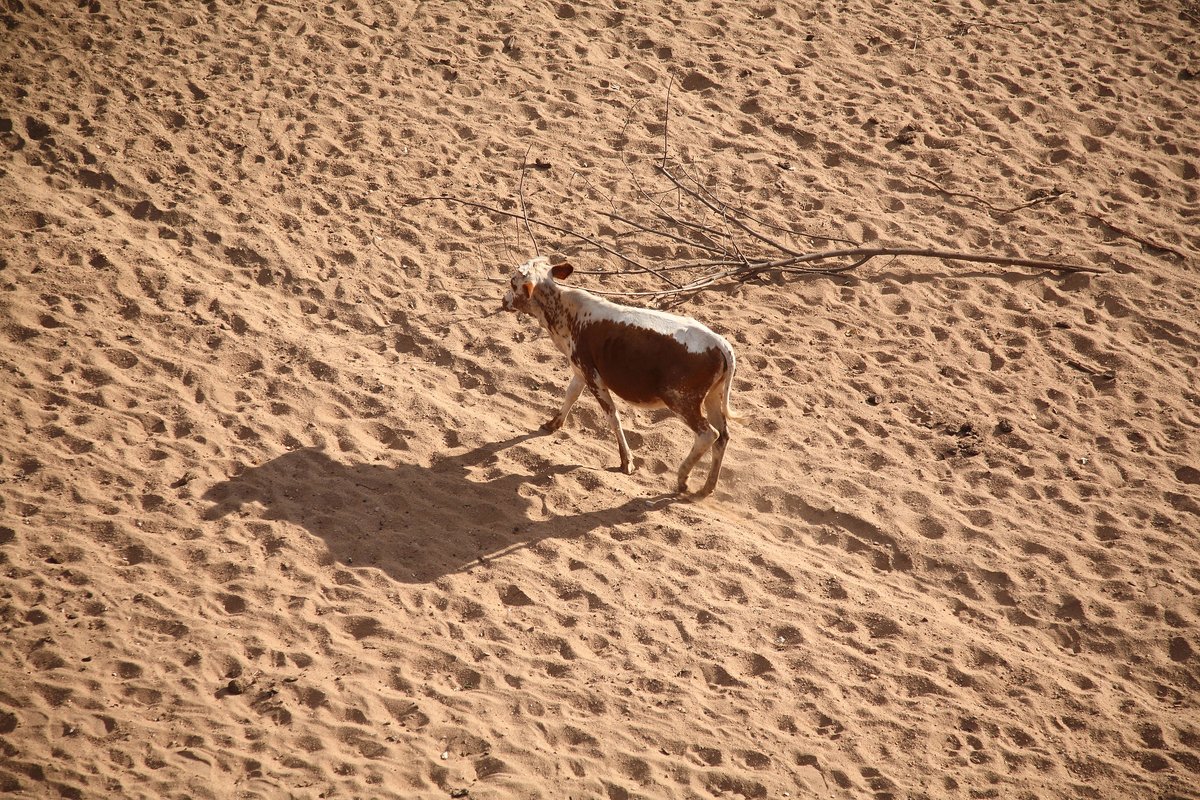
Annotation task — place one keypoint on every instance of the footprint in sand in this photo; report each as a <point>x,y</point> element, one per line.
<point>697,82</point>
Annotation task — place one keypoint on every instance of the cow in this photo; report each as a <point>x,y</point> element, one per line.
<point>650,359</point>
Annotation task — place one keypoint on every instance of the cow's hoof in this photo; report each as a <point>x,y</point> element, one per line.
<point>552,425</point>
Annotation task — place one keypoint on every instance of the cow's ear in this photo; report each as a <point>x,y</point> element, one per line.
<point>562,271</point>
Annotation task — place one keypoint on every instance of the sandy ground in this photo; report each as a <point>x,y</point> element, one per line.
<point>275,518</point>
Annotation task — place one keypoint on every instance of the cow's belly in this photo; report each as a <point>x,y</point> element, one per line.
<point>646,404</point>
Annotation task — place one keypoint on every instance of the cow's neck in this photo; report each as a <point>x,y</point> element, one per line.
<point>558,313</point>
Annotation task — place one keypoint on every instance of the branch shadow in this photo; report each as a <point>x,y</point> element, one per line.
<point>778,278</point>
<point>414,523</point>
<point>1013,277</point>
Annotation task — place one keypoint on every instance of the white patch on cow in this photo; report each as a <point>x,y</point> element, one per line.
<point>693,335</point>
<point>534,263</point>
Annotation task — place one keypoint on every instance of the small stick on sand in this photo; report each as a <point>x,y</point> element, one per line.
<point>1102,374</point>
<point>1139,239</point>
<point>1047,197</point>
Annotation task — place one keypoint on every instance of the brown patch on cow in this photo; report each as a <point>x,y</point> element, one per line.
<point>645,367</point>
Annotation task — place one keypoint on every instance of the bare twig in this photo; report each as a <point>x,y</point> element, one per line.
<point>790,231</point>
<point>549,226</point>
<point>1047,197</point>
<point>727,206</point>
<point>1102,374</point>
<point>382,252</point>
<point>662,211</point>
<point>666,122</point>
<point>704,200</point>
<point>659,232</point>
<point>524,211</point>
<point>1139,239</point>
<point>711,233</point>
<point>964,27</point>
<point>611,202</point>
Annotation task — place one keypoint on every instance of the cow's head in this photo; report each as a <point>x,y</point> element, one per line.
<point>528,278</point>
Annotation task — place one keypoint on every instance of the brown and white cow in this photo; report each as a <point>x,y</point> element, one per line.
<point>649,358</point>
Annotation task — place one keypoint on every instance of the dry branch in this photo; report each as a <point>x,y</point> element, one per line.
<point>739,272</point>
<point>742,268</point>
<point>705,230</point>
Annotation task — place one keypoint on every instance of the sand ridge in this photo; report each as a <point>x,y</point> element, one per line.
<point>277,522</point>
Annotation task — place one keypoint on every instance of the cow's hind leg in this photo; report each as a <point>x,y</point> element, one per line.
<point>718,415</point>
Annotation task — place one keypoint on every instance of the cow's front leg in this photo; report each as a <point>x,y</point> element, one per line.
<point>573,390</point>
<point>610,408</point>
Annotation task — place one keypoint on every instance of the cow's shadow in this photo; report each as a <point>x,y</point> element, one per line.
<point>415,523</point>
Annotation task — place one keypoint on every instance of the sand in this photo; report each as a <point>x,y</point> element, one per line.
<point>275,516</point>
